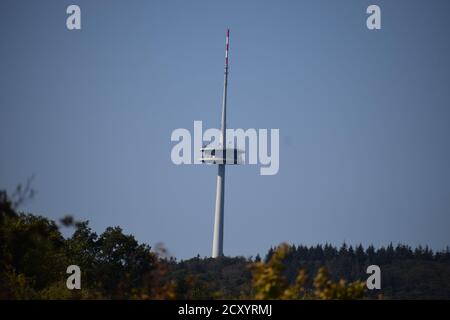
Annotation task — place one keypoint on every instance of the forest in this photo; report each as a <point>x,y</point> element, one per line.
<point>34,256</point>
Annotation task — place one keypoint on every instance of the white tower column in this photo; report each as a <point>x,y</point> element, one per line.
<point>217,250</point>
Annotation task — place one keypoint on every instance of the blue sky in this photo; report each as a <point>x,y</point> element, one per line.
<point>363,116</point>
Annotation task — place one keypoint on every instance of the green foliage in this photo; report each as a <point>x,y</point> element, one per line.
<point>34,256</point>
<point>208,278</point>
<point>32,252</point>
<point>15,286</point>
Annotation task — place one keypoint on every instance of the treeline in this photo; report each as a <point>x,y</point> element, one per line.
<point>34,257</point>
<point>406,273</point>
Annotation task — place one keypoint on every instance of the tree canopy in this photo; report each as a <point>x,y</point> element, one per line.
<point>34,257</point>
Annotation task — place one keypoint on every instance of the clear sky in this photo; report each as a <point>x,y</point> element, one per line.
<point>364,118</point>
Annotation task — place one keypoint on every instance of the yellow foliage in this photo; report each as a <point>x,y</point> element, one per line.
<point>327,289</point>
<point>269,283</point>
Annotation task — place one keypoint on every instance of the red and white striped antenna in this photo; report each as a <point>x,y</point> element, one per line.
<point>227,46</point>
<point>225,89</point>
